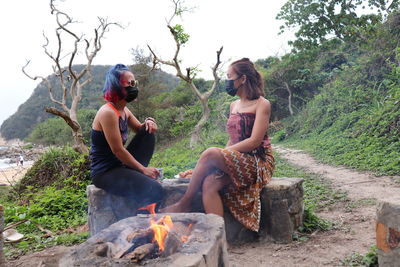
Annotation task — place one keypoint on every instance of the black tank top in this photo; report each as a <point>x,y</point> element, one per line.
<point>101,156</point>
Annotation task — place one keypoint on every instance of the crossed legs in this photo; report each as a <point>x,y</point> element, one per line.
<point>204,176</point>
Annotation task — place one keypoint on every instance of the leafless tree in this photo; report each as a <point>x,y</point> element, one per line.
<point>189,75</point>
<point>70,80</point>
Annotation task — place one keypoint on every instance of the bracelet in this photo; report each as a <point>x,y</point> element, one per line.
<point>150,119</point>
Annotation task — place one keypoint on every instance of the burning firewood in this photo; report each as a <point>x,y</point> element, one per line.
<point>172,244</point>
<point>135,239</point>
<point>147,250</point>
<point>162,238</point>
<point>139,234</point>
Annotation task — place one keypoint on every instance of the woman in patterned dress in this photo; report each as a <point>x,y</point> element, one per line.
<point>235,175</point>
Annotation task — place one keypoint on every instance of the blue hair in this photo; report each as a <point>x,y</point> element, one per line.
<point>113,90</point>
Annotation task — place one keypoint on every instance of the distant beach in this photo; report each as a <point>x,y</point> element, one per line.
<point>13,174</point>
<point>10,173</point>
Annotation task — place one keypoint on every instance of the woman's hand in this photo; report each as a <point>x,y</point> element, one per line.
<point>151,172</point>
<point>150,125</point>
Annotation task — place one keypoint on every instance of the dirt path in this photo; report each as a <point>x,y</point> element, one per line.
<point>354,233</point>
<point>358,185</point>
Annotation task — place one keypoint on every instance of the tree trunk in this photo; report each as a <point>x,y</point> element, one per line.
<point>289,98</point>
<point>195,138</point>
<point>79,145</point>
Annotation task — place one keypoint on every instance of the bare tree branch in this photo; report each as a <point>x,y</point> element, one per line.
<point>215,74</point>
<point>71,81</point>
<point>190,72</point>
<point>48,84</point>
<point>73,124</point>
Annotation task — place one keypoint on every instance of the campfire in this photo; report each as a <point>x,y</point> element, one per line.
<point>161,239</point>
<point>176,239</point>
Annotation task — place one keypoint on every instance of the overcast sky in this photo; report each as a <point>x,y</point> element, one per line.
<point>244,28</point>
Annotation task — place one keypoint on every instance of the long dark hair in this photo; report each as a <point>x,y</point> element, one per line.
<point>254,81</point>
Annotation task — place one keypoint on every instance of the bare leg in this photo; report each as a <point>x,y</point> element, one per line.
<point>212,201</point>
<point>210,160</point>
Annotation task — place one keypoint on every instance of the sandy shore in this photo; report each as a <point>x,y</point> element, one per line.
<point>12,175</point>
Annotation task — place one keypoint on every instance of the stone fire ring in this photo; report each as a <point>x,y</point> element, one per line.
<point>206,245</point>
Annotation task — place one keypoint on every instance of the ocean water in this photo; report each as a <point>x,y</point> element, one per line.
<point>6,163</point>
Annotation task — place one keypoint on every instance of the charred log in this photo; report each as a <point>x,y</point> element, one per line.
<point>173,243</point>
<point>136,239</point>
<point>104,249</point>
<point>148,251</point>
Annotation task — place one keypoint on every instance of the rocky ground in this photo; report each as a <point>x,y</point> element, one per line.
<point>354,231</point>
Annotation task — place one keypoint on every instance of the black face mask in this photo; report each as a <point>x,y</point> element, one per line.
<point>131,93</point>
<point>230,87</point>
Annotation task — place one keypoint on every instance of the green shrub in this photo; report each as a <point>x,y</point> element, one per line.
<point>370,259</point>
<point>52,198</point>
<point>280,135</point>
<point>57,166</point>
<point>55,131</point>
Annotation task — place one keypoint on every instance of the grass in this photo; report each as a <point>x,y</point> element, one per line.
<point>318,194</point>
<point>52,199</point>
<point>370,259</point>
<point>364,202</point>
<point>46,209</point>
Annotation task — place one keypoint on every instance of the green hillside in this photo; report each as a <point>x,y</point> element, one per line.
<point>31,113</point>
<point>355,118</point>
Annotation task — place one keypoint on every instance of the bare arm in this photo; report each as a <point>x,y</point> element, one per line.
<point>135,124</point>
<point>263,112</point>
<point>110,125</point>
<point>230,112</point>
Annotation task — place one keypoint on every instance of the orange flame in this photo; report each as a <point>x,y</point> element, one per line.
<point>150,208</point>
<point>185,238</point>
<point>161,229</point>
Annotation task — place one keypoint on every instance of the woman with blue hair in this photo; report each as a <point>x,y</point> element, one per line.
<point>115,168</point>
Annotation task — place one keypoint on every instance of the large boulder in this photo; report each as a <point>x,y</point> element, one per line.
<point>281,210</point>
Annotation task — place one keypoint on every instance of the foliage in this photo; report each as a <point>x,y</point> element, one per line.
<point>179,156</point>
<point>370,259</point>
<point>355,120</point>
<point>51,208</point>
<point>318,195</point>
<point>182,37</point>
<point>280,135</point>
<point>57,167</point>
<point>27,146</point>
<point>300,76</point>
<point>54,131</point>
<point>52,199</point>
<point>29,114</point>
<point>311,222</point>
<point>316,21</point>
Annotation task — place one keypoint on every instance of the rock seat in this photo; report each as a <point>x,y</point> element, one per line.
<point>281,210</point>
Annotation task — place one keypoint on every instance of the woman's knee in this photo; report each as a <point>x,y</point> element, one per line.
<point>211,153</point>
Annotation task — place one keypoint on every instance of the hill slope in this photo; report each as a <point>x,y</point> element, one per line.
<point>355,119</point>
<point>30,113</point>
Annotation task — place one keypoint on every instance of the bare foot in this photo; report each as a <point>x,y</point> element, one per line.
<point>176,208</point>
